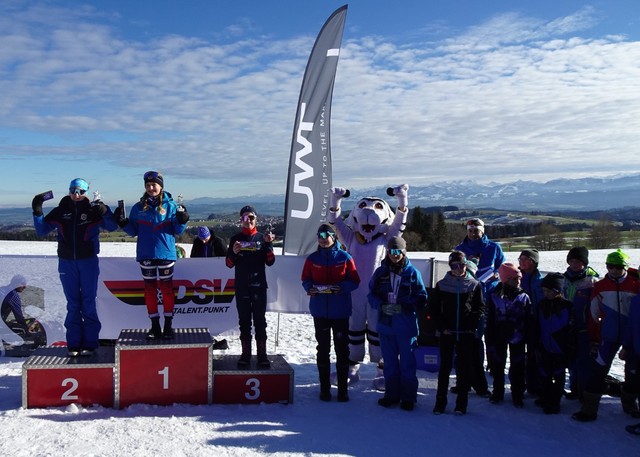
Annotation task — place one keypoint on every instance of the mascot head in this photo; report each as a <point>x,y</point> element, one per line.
<point>370,218</point>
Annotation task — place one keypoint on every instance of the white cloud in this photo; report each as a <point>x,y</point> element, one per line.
<point>512,97</point>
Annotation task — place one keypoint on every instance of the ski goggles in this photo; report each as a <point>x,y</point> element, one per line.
<point>325,235</point>
<point>395,251</point>
<point>76,191</point>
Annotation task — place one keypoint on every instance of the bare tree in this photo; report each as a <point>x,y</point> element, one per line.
<point>604,234</point>
<point>548,238</point>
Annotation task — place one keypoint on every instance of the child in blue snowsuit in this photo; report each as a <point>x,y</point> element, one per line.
<point>396,290</point>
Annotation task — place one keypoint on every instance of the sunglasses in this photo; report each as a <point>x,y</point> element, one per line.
<point>457,265</point>
<point>151,175</point>
<point>248,218</point>
<point>395,251</point>
<point>325,235</point>
<point>77,191</point>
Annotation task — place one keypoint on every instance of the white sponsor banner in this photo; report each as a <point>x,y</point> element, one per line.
<point>204,290</point>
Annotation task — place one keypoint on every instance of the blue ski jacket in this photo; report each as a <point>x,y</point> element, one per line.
<point>330,267</point>
<point>410,294</point>
<point>154,222</point>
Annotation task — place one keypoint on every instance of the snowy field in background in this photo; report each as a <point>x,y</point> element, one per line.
<point>308,427</point>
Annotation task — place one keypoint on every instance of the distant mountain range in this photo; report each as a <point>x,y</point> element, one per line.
<point>586,194</point>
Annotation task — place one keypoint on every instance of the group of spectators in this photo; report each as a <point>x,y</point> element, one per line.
<point>573,321</point>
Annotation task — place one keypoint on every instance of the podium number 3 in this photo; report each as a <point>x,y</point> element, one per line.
<point>74,386</point>
<point>165,378</point>
<point>254,388</point>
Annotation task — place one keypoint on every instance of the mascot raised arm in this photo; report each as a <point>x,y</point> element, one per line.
<point>364,233</point>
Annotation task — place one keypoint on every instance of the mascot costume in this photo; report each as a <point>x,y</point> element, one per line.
<point>365,233</point>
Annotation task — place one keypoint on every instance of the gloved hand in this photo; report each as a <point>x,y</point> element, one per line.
<point>402,194</point>
<point>100,208</point>
<point>335,289</point>
<point>182,216</point>
<point>36,205</point>
<point>120,218</point>
<point>312,291</point>
<point>337,194</point>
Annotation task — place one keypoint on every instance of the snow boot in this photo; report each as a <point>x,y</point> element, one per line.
<point>324,375</point>
<point>155,332</point>
<point>245,357</point>
<point>629,403</point>
<point>167,332</point>
<point>589,410</point>
<point>441,405</point>
<point>353,374</point>
<point>263,360</point>
<point>378,381</point>
<point>342,375</point>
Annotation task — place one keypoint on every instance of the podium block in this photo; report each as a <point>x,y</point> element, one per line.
<point>51,378</point>
<point>163,372</point>
<point>253,384</point>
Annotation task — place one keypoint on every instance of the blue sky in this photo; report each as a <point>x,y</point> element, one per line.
<point>206,92</point>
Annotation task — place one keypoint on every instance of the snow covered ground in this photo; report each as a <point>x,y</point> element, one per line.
<point>307,427</point>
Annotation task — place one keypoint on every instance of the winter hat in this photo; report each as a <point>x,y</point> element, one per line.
<point>79,183</point>
<point>618,257</point>
<point>397,242</point>
<point>248,209</point>
<point>553,281</point>
<point>475,223</point>
<point>533,254</point>
<point>508,271</point>
<point>472,266</point>
<point>579,253</point>
<point>457,256</point>
<point>18,281</point>
<point>328,229</point>
<point>203,233</point>
<point>154,176</point>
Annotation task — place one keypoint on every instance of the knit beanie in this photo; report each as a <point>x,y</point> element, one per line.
<point>533,254</point>
<point>328,229</point>
<point>508,271</point>
<point>248,209</point>
<point>553,281</point>
<point>79,183</point>
<point>154,176</point>
<point>397,242</point>
<point>579,253</point>
<point>472,266</point>
<point>618,257</point>
<point>475,223</point>
<point>203,233</point>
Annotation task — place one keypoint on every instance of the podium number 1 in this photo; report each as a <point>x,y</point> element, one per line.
<point>165,378</point>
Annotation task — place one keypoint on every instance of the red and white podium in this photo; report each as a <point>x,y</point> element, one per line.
<point>252,384</point>
<point>163,372</point>
<point>157,372</point>
<point>51,378</point>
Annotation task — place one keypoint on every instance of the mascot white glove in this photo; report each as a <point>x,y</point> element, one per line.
<point>337,194</point>
<point>402,194</point>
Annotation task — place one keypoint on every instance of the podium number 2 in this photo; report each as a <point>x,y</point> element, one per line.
<point>254,387</point>
<point>67,394</point>
<point>165,378</point>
